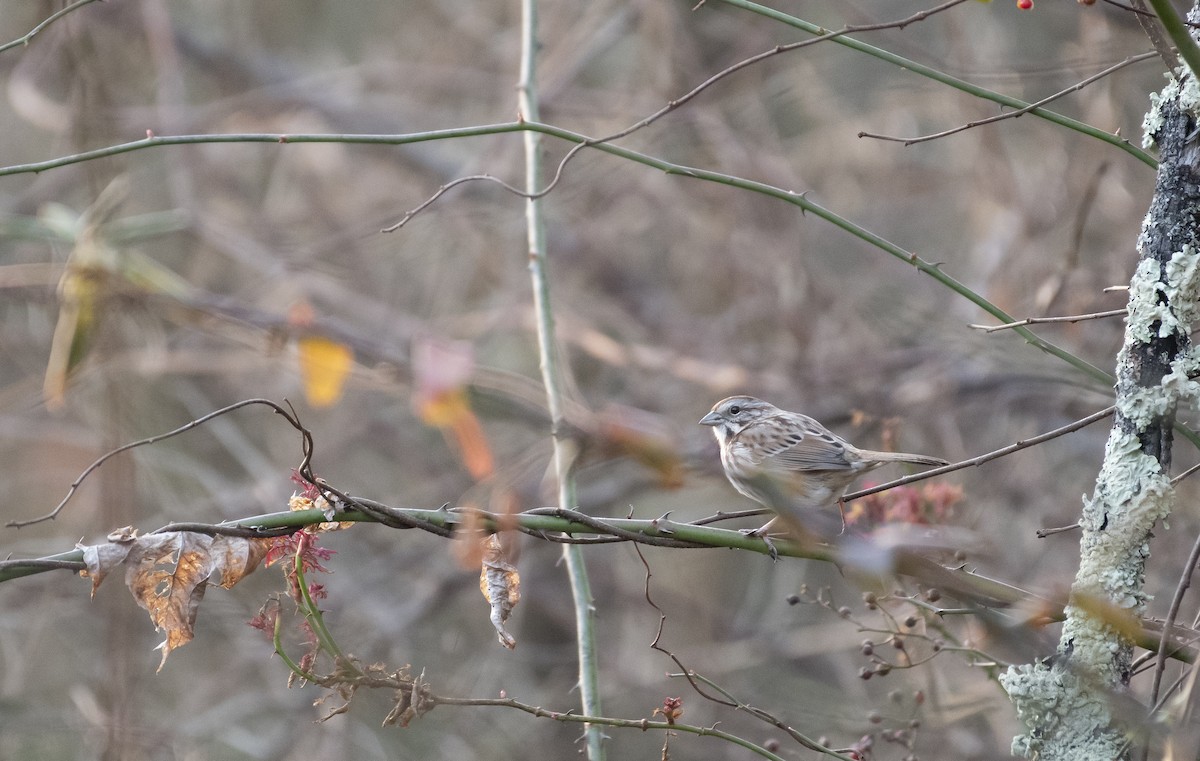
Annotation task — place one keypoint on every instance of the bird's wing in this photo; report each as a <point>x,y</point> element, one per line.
<point>806,446</point>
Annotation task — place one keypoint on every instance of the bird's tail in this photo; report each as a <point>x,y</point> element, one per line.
<point>915,459</point>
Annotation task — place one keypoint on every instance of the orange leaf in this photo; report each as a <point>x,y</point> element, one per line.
<point>451,412</point>
<point>472,444</point>
<point>324,365</point>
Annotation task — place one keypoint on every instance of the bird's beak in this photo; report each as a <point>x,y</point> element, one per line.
<point>711,418</point>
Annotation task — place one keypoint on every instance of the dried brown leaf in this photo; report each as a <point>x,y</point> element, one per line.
<point>168,573</point>
<point>501,586</point>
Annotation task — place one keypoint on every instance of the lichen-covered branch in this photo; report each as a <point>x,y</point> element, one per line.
<point>1066,703</point>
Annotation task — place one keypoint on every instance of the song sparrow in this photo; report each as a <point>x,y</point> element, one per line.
<point>788,461</point>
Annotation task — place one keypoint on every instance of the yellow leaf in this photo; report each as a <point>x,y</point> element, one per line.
<point>83,287</point>
<point>324,365</point>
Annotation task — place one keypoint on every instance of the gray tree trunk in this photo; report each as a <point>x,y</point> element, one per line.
<point>1069,704</point>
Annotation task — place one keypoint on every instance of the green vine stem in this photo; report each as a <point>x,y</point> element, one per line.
<point>552,378</point>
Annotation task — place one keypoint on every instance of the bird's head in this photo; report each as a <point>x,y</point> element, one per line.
<point>730,416</point>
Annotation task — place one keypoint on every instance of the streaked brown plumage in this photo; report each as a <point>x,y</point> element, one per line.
<point>788,461</point>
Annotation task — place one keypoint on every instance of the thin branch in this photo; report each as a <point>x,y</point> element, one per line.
<point>932,269</point>
<point>777,50</point>
<point>981,459</point>
<point>1042,533</point>
<point>641,724</point>
<point>1185,581</point>
<point>1185,474</point>
<point>161,437</point>
<point>1086,203</point>
<point>699,682</point>
<point>1019,112</point>
<point>35,565</point>
<point>662,621</point>
<point>907,64</point>
<point>1177,30</point>
<point>241,532</point>
<point>610,530</point>
<point>1047,320</point>
<point>461,181</point>
<point>28,36</point>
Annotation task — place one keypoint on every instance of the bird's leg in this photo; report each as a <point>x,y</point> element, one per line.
<point>841,503</point>
<point>763,533</point>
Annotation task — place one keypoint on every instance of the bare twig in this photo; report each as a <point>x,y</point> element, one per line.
<point>1045,320</point>
<point>1013,114</point>
<point>1042,533</point>
<point>1148,20</point>
<point>455,183</point>
<point>981,459</point>
<point>1185,581</point>
<point>289,416</point>
<point>1087,201</point>
<point>1185,474</point>
<point>28,36</point>
<point>723,697</point>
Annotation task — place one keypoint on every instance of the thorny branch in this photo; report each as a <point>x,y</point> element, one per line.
<point>538,522</point>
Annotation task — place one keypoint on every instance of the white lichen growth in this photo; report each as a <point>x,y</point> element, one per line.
<point>1159,308</point>
<point>1181,287</point>
<point>1152,122</point>
<point>1189,91</point>
<point>1069,717</point>
<point>1182,89</point>
<point>1060,704</point>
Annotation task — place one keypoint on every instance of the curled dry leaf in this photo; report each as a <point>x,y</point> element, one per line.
<point>501,586</point>
<point>168,574</point>
<point>299,502</point>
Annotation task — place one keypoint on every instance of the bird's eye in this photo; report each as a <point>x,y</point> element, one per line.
<point>734,410</point>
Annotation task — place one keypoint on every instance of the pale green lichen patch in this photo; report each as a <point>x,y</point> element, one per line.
<point>1181,285</point>
<point>1189,91</point>
<point>1160,307</point>
<point>1187,95</point>
<point>1152,122</point>
<point>1061,705</point>
<point>1145,305</point>
<point>1180,383</point>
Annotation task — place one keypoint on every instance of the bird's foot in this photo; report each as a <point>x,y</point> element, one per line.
<point>763,533</point>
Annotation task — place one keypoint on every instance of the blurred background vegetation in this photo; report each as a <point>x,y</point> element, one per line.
<point>670,293</point>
